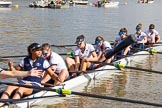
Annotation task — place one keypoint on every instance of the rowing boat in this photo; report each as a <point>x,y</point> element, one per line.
<point>83,78</point>
<point>141,1</point>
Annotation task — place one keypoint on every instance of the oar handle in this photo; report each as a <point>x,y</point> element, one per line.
<point>68,54</point>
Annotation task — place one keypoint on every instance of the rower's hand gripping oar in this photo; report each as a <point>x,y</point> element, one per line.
<point>123,44</point>
<point>69,92</point>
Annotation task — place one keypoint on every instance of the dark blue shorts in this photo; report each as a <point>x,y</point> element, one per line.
<point>91,66</point>
<point>33,84</point>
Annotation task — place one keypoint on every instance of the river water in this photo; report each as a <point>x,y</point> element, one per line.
<point>21,26</point>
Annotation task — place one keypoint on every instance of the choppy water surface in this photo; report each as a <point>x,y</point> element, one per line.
<point>22,26</point>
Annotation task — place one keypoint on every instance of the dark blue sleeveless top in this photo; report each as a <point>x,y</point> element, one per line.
<point>38,64</point>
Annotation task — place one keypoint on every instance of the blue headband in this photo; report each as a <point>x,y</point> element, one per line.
<point>97,42</point>
<point>138,27</point>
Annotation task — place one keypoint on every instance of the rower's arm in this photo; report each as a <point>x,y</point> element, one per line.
<point>94,58</point>
<point>12,68</point>
<point>52,74</point>
<point>19,74</point>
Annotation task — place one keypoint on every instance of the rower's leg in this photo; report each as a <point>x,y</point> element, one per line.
<point>7,93</point>
<point>63,75</point>
<point>70,63</point>
<point>83,67</point>
<point>22,91</point>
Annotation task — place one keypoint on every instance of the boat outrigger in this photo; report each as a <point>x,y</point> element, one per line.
<point>74,82</point>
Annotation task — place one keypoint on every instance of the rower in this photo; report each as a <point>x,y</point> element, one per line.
<point>57,65</point>
<point>84,55</point>
<point>33,60</point>
<point>152,35</point>
<point>101,47</point>
<point>121,36</point>
<point>130,39</point>
<point>141,38</point>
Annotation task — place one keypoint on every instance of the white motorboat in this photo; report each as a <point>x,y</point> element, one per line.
<point>78,2</point>
<point>147,1</point>
<point>5,3</point>
<point>111,4</point>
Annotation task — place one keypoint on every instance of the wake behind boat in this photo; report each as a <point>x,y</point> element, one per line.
<point>74,82</point>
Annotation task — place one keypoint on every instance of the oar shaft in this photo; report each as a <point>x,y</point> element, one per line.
<point>63,45</point>
<point>146,70</point>
<point>117,99</point>
<point>84,94</point>
<point>17,56</point>
<point>151,50</point>
<point>26,99</point>
<point>28,86</point>
<point>130,67</point>
<point>112,43</point>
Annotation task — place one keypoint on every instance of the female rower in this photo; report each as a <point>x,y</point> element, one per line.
<point>57,65</point>
<point>101,47</point>
<point>141,38</point>
<point>19,74</point>
<point>152,35</point>
<point>33,60</point>
<point>121,36</point>
<point>84,56</point>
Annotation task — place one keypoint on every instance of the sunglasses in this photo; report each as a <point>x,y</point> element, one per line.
<point>44,53</point>
<point>79,43</point>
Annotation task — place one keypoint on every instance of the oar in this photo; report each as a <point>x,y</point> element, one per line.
<point>12,101</point>
<point>17,56</point>
<point>111,42</point>
<point>69,92</point>
<point>159,43</point>
<point>123,44</point>
<point>150,50</point>
<point>63,45</point>
<point>120,66</point>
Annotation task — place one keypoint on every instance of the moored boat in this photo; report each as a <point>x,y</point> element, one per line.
<point>5,3</point>
<point>111,4</point>
<point>146,1</point>
<point>45,4</point>
<point>78,2</point>
<point>84,78</point>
